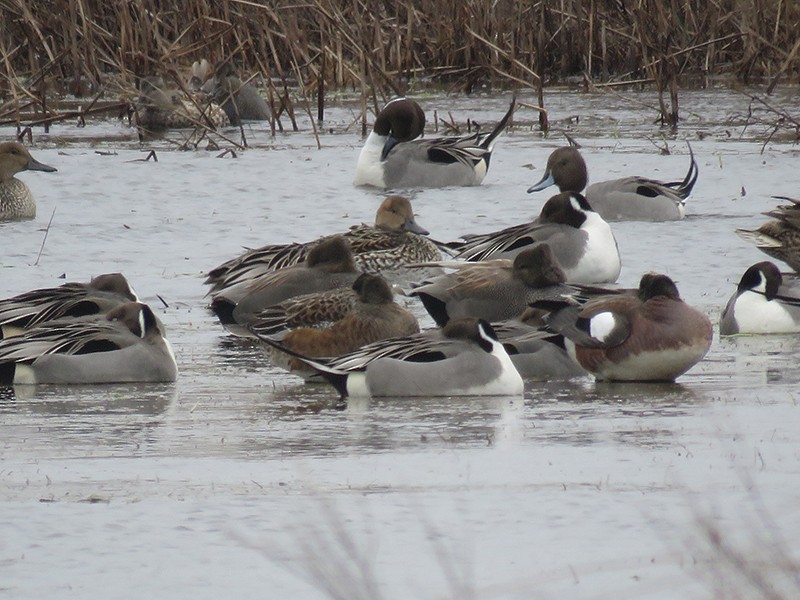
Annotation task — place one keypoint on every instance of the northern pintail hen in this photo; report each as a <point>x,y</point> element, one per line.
<point>780,237</point>
<point>581,241</point>
<point>651,336</point>
<point>99,295</point>
<point>162,107</point>
<point>127,344</point>
<point>16,199</point>
<point>385,248</point>
<point>626,199</point>
<point>462,359</point>
<point>762,303</point>
<point>393,157</point>
<point>374,316</point>
<point>493,290</point>
<point>329,265</point>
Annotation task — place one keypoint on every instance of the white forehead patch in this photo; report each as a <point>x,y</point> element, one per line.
<point>601,325</point>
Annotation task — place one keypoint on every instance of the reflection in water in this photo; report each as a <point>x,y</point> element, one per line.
<point>86,418</point>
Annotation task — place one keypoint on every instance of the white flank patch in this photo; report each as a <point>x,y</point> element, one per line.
<point>357,385</point>
<point>170,351</point>
<point>480,171</point>
<point>601,325</point>
<point>24,375</point>
<point>755,314</point>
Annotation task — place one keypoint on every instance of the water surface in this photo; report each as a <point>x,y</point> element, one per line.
<point>238,480</point>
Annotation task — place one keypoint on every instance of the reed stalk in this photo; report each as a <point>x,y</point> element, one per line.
<point>380,49</point>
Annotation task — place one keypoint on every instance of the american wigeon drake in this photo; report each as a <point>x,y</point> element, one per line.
<point>393,156</point>
<point>779,238</point>
<point>493,290</point>
<point>580,239</point>
<point>650,336</point>
<point>537,353</point>
<point>127,344</point>
<point>762,303</point>
<point>626,199</point>
<point>99,295</point>
<point>163,107</point>
<point>329,265</point>
<point>396,239</point>
<point>375,316</point>
<point>16,199</point>
<point>240,100</point>
<point>462,359</point>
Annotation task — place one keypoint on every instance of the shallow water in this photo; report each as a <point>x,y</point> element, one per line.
<point>238,480</point>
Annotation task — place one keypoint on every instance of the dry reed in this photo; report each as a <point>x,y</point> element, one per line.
<point>381,49</point>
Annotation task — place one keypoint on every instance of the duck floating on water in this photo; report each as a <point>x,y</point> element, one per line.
<point>393,156</point>
<point>626,199</point>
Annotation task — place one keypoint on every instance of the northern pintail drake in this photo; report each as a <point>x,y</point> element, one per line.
<point>99,295</point>
<point>779,238</point>
<point>16,199</point>
<point>162,107</point>
<point>329,265</point>
<point>127,344</point>
<point>626,199</point>
<point>762,303</point>
<point>393,157</point>
<point>650,336</point>
<point>537,353</point>
<point>493,290</point>
<point>581,240</point>
<point>374,316</point>
<point>462,359</point>
<point>396,239</point>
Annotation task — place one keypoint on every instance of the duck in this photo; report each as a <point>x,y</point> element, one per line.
<point>126,344</point>
<point>73,299</point>
<point>240,100</point>
<point>762,303</point>
<point>374,316</point>
<point>396,239</point>
<point>581,240</point>
<point>626,199</point>
<point>393,157</point>
<point>464,358</point>
<point>329,265</point>
<point>650,336</point>
<point>493,290</point>
<point>780,237</point>
<point>16,200</point>
<point>538,353</point>
<point>161,107</point>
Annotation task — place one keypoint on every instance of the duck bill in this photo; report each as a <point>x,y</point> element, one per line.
<point>390,143</point>
<point>414,227</point>
<point>35,165</point>
<point>546,182</point>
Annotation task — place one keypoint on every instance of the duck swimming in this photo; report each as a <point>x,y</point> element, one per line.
<point>393,156</point>
<point>625,199</point>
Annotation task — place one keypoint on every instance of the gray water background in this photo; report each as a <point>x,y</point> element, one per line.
<point>236,481</point>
